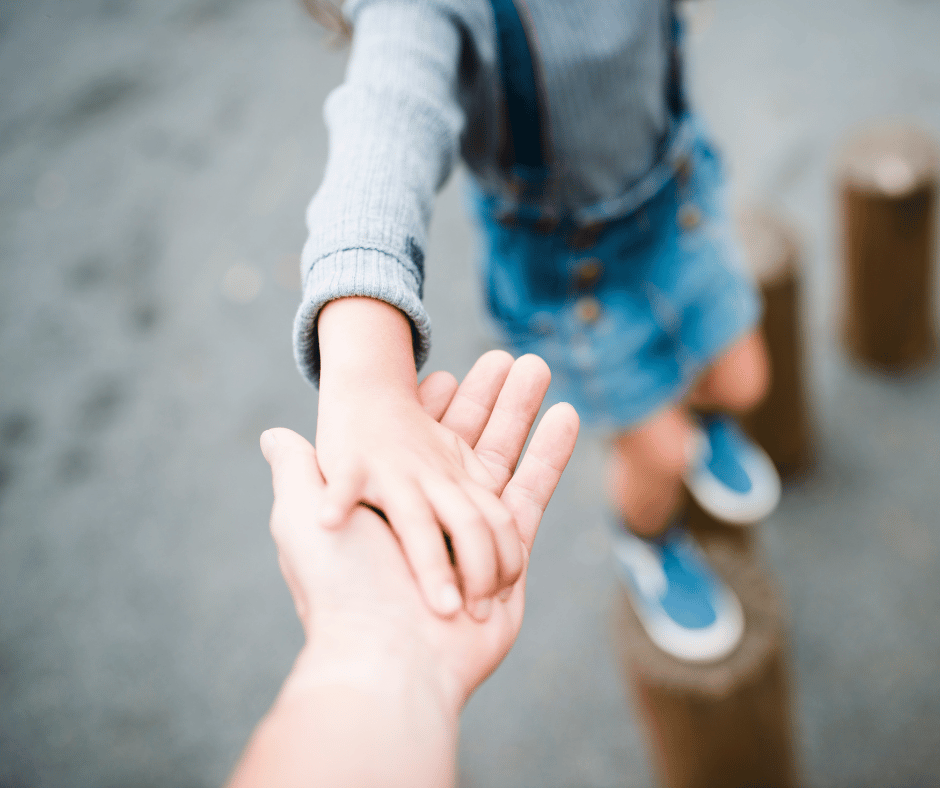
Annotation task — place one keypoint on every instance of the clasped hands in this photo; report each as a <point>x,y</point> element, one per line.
<point>374,697</point>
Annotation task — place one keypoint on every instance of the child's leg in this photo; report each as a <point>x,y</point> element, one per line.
<point>645,468</point>
<point>686,609</point>
<point>738,380</point>
<point>646,465</point>
<point>733,478</point>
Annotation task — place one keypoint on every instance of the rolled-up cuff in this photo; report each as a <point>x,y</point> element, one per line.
<point>368,272</point>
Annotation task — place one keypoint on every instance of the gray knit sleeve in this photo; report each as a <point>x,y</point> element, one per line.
<point>394,128</point>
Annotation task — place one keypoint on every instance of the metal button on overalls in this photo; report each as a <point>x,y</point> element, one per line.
<point>546,225</point>
<point>689,216</point>
<point>586,236</point>
<point>587,273</point>
<point>588,309</point>
<point>684,169</point>
<point>508,219</point>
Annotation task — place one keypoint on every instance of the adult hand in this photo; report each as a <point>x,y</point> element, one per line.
<point>357,585</point>
<point>369,633</point>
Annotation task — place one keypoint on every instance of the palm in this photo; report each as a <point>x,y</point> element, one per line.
<point>362,574</point>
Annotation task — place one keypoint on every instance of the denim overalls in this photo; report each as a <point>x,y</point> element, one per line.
<point>628,310</point>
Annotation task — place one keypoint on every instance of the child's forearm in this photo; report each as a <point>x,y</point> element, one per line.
<point>365,346</point>
<point>394,128</point>
<point>333,726</point>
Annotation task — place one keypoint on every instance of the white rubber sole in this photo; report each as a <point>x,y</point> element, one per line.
<point>708,644</point>
<point>729,506</point>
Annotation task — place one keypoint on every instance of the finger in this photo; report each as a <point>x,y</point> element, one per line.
<point>422,541</point>
<point>293,461</point>
<point>470,409</point>
<point>435,393</point>
<point>476,470</point>
<point>297,484</point>
<point>472,543</point>
<point>505,535</point>
<point>519,401</point>
<point>531,488</point>
<point>344,491</point>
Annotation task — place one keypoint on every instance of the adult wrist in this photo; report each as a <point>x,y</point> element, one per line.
<point>395,674</point>
<point>330,729</point>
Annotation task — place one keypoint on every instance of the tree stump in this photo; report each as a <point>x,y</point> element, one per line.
<point>887,180</point>
<point>781,423</point>
<point>726,724</point>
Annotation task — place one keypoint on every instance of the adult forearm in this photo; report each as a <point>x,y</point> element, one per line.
<point>332,727</point>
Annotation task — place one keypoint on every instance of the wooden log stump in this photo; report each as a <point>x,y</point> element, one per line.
<point>726,724</point>
<point>781,423</point>
<point>887,180</point>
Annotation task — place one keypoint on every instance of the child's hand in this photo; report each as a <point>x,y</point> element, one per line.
<point>359,584</point>
<point>381,680</point>
<point>383,448</point>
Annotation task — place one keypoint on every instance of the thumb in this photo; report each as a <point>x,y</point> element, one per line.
<point>293,461</point>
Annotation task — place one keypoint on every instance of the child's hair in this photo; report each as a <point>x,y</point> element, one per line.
<point>329,15</point>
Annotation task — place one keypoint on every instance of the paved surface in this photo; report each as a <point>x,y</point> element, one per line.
<point>155,159</point>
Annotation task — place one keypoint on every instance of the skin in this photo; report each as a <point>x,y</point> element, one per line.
<point>375,695</point>
<point>646,465</point>
<point>378,445</point>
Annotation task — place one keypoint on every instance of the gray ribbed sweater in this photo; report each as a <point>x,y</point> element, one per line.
<point>422,87</point>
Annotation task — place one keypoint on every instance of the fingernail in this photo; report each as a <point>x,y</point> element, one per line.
<point>269,445</point>
<point>505,594</point>
<point>448,600</point>
<point>482,609</point>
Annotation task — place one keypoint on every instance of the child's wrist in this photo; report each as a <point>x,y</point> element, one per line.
<point>366,344</point>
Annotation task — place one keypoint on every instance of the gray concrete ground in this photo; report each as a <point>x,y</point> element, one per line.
<point>155,160</point>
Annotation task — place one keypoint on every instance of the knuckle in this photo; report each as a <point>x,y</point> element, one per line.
<point>503,520</point>
<point>454,443</point>
<point>476,586</point>
<point>476,523</point>
<point>514,565</point>
<point>481,568</point>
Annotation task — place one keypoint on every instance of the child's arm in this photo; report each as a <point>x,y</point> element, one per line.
<point>374,697</point>
<point>394,128</point>
<point>377,444</point>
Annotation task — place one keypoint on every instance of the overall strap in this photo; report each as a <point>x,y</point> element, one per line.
<point>527,155</point>
<point>675,91</point>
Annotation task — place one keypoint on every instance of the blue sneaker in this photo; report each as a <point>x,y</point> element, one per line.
<point>683,605</point>
<point>732,477</point>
